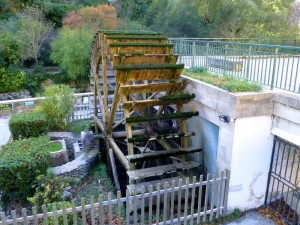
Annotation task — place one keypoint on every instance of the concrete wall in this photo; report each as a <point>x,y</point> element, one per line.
<point>244,145</point>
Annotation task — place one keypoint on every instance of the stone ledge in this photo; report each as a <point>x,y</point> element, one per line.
<point>79,167</point>
<point>288,99</point>
<point>235,105</point>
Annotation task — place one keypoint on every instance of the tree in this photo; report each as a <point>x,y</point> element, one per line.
<point>132,9</point>
<point>8,50</point>
<point>33,31</point>
<point>94,18</point>
<point>72,47</point>
<point>57,105</point>
<point>72,50</point>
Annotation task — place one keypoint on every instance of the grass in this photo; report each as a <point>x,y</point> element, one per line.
<point>225,82</point>
<point>96,182</point>
<point>55,146</point>
<point>78,126</point>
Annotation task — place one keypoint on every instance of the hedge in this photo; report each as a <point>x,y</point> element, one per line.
<point>30,124</point>
<point>21,162</point>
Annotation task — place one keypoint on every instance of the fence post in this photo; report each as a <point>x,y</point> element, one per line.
<point>193,53</point>
<point>274,68</point>
<point>248,63</point>
<point>207,47</point>
<point>225,56</point>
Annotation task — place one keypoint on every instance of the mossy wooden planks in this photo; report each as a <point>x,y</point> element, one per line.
<point>183,115</point>
<point>124,59</point>
<point>148,72</point>
<point>153,87</point>
<point>160,154</point>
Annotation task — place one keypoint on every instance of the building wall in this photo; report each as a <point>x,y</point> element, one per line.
<point>251,156</point>
<point>244,145</point>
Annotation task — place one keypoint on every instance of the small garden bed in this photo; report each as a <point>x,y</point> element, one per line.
<point>55,146</point>
<point>225,82</point>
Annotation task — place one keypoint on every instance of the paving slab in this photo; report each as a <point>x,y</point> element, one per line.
<point>4,130</point>
<point>252,218</point>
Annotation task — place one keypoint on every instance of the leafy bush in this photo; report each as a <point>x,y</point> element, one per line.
<point>197,70</point>
<point>57,105</point>
<point>30,124</point>
<point>49,189</point>
<point>21,162</point>
<point>11,79</point>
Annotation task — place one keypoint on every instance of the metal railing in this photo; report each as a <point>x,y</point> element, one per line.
<point>284,42</point>
<point>183,201</point>
<point>271,65</point>
<point>82,109</point>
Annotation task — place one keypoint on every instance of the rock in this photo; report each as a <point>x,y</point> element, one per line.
<point>67,194</point>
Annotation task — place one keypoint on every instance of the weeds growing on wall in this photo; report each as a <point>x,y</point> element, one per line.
<point>225,82</point>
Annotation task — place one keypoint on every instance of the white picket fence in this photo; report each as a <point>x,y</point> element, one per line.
<point>177,202</point>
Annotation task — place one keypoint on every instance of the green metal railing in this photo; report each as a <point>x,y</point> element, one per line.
<point>271,65</point>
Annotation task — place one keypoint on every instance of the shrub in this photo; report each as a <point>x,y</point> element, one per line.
<point>49,189</point>
<point>11,79</point>
<point>30,124</point>
<point>21,162</point>
<point>57,105</point>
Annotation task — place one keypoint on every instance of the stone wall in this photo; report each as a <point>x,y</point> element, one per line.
<point>79,167</point>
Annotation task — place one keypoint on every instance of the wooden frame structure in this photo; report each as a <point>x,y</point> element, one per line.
<point>135,71</point>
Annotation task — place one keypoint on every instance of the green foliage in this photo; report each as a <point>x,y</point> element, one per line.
<point>9,51</point>
<point>71,50</point>
<point>132,9</point>
<point>21,162</point>
<point>225,82</point>
<point>49,189</point>
<point>198,70</point>
<point>60,219</point>
<point>35,77</point>
<point>11,79</point>
<point>78,126</point>
<point>5,10</point>
<point>29,124</point>
<point>57,105</point>
<point>55,146</point>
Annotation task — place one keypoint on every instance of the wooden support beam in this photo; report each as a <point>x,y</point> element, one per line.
<point>158,137</point>
<point>160,154</point>
<point>99,124</point>
<point>124,161</point>
<point>160,170</point>
<point>113,109</point>
<point>114,169</point>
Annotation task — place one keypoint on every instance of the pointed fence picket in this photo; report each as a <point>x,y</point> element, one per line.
<point>194,202</point>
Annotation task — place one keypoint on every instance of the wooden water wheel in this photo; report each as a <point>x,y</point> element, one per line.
<point>138,104</point>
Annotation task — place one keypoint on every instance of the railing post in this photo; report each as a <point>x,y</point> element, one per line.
<point>274,68</point>
<point>180,50</point>
<point>193,53</point>
<point>207,48</point>
<point>225,56</point>
<point>248,63</point>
